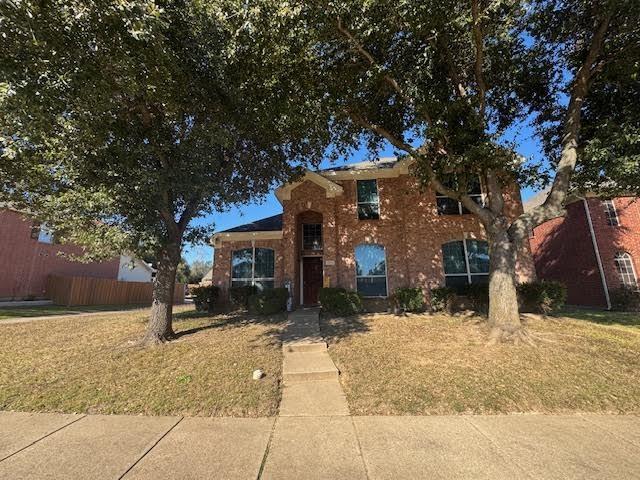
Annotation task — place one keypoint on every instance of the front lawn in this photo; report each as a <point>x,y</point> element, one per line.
<point>441,365</point>
<point>49,310</point>
<point>92,365</point>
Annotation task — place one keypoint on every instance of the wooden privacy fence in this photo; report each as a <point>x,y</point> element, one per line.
<point>70,291</point>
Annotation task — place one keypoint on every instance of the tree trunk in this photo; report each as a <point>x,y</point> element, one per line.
<point>504,312</point>
<point>159,328</point>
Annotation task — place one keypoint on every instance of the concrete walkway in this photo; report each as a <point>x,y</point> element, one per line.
<point>57,446</point>
<point>311,386</point>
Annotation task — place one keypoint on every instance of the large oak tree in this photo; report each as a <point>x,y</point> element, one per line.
<point>122,121</point>
<point>445,81</point>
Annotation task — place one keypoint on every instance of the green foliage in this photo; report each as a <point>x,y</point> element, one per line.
<point>442,299</point>
<point>409,299</point>
<point>183,272</point>
<point>542,297</point>
<point>205,297</point>
<point>269,301</point>
<point>239,296</point>
<point>478,294</point>
<point>625,299</point>
<point>121,122</point>
<point>340,302</point>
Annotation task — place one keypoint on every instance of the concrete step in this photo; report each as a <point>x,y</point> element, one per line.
<point>307,366</point>
<point>315,398</point>
<point>310,345</point>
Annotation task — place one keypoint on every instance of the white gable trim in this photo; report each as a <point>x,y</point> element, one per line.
<point>400,168</point>
<point>332,189</point>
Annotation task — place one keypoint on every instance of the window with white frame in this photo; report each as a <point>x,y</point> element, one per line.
<point>371,270</point>
<point>368,199</point>
<point>449,206</point>
<point>624,265</point>
<point>611,213</point>
<point>465,262</point>
<point>253,266</point>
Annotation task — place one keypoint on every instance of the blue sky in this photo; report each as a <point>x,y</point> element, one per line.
<point>528,146</point>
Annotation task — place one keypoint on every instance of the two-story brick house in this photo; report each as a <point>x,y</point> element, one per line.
<point>593,249</point>
<point>364,227</point>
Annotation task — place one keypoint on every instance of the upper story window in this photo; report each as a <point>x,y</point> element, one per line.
<point>42,233</point>
<point>253,266</point>
<point>449,206</point>
<point>368,200</point>
<point>312,236</point>
<point>624,265</point>
<point>611,213</point>
<point>465,262</point>
<point>371,270</point>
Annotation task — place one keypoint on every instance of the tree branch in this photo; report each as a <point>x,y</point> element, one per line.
<point>553,206</point>
<point>359,48</point>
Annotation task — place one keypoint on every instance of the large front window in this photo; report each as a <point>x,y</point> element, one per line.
<point>253,266</point>
<point>449,206</point>
<point>465,262</point>
<point>368,200</point>
<point>371,270</point>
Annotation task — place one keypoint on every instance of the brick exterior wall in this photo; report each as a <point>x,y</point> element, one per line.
<point>563,248</point>
<point>26,263</point>
<point>409,228</point>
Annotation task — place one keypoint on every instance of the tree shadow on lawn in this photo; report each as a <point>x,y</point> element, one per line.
<point>237,319</point>
<point>335,329</point>
<point>602,317</point>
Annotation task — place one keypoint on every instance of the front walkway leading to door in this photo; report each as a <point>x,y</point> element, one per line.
<point>311,386</point>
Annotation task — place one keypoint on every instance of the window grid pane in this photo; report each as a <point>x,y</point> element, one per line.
<point>312,236</point>
<point>368,199</point>
<point>624,265</point>
<point>611,213</point>
<point>371,270</point>
<point>460,271</point>
<point>253,267</point>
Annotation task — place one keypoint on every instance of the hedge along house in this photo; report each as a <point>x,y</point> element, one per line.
<point>365,227</point>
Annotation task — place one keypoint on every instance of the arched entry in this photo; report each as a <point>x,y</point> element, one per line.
<point>309,247</point>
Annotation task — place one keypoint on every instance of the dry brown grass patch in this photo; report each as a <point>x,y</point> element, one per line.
<point>92,364</point>
<point>442,365</point>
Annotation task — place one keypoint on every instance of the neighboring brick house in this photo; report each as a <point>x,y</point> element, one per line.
<point>29,254</point>
<point>364,227</point>
<point>593,249</point>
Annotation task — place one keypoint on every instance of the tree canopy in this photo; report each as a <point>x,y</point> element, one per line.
<point>120,122</point>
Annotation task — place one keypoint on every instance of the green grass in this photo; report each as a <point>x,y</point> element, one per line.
<point>48,310</point>
<point>630,319</point>
<point>421,365</point>
<point>94,365</point>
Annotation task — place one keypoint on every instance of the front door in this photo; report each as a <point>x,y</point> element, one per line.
<point>311,279</point>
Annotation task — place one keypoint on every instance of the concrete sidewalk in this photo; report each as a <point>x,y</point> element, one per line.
<point>57,446</point>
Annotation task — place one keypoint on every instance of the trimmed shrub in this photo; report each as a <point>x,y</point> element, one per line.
<point>205,297</point>
<point>409,299</point>
<point>442,299</point>
<point>625,299</point>
<point>542,297</point>
<point>269,301</point>
<point>341,302</point>
<point>239,296</point>
<point>478,295</point>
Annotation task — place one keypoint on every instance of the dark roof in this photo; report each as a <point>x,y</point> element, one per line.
<point>385,162</point>
<point>268,224</point>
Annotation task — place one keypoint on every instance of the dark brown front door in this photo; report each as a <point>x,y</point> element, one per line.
<point>311,279</point>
